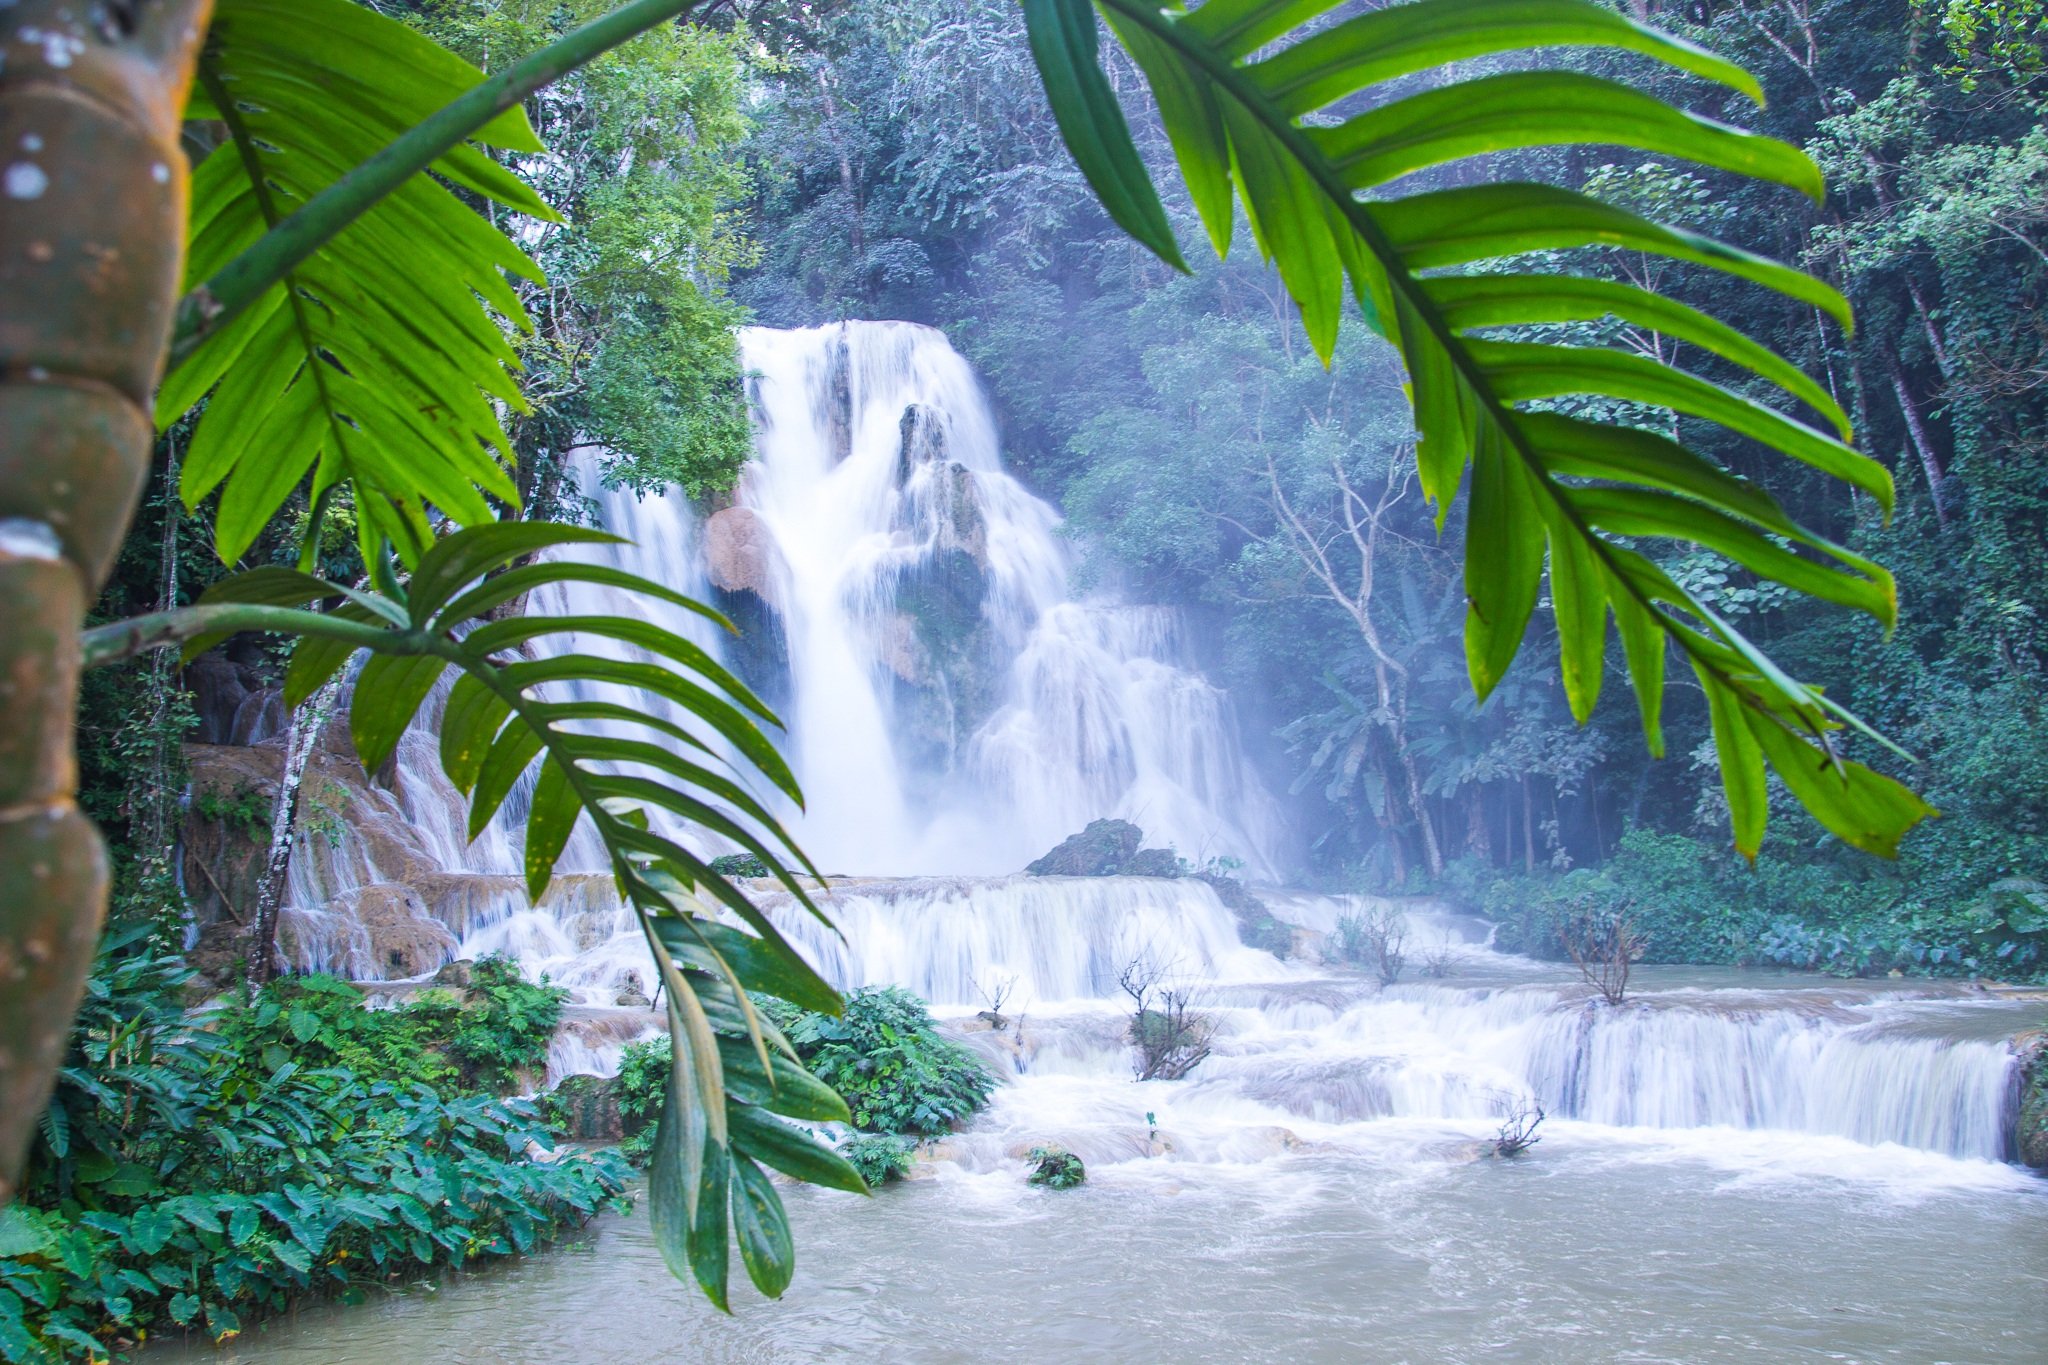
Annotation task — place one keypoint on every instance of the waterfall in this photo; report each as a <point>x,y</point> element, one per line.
<point>954,709</point>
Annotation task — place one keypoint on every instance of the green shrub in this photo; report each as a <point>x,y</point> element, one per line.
<point>186,1177</point>
<point>643,1080</point>
<point>881,1158</point>
<point>484,1040</point>
<point>740,865</point>
<point>1056,1168</point>
<point>1700,903</point>
<point>887,1060</point>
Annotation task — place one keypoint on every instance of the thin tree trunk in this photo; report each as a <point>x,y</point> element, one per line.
<point>92,233</point>
<point>1528,830</point>
<point>1930,461</point>
<point>302,737</point>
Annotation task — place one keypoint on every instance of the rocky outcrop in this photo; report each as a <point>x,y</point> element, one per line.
<point>1107,848</point>
<point>2030,1133</point>
<point>586,1108</point>
<point>740,554</point>
<point>1256,924</point>
<point>398,932</point>
<point>1100,850</point>
<point>1152,862</point>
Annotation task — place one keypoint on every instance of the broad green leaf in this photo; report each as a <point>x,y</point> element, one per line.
<point>1742,763</point>
<point>1546,109</point>
<point>1063,40</point>
<point>761,1228</point>
<point>772,1142</point>
<point>388,694</point>
<point>1429,269</point>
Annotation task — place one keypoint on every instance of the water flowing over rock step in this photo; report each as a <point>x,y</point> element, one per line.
<point>1308,1054</point>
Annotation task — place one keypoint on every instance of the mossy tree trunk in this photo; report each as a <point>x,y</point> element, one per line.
<point>92,221</point>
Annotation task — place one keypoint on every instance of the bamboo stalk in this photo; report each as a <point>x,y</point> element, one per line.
<point>92,229</point>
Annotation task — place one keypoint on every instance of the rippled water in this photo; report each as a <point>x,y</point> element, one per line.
<point>1598,1246</point>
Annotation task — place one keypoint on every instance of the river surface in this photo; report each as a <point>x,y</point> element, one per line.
<point>1318,1191</point>
<point>1596,1246</point>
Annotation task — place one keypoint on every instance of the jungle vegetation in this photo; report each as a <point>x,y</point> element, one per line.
<point>424,250</point>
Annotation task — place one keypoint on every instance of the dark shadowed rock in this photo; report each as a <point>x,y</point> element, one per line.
<point>589,1108</point>
<point>2030,1138</point>
<point>1101,850</point>
<point>1152,862</point>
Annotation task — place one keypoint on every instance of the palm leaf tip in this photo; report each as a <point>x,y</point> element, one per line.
<point>1440,273</point>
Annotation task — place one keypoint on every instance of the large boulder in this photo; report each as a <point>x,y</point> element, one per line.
<point>740,553</point>
<point>1152,862</point>
<point>1100,850</point>
<point>587,1108</point>
<point>402,938</point>
<point>2030,1136</point>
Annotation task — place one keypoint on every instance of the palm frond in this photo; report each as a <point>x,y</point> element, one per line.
<point>524,704</point>
<point>1238,83</point>
<point>383,359</point>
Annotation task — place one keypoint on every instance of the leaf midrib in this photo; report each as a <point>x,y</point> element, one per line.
<point>1231,76</point>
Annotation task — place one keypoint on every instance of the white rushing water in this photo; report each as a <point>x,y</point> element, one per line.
<point>954,710</point>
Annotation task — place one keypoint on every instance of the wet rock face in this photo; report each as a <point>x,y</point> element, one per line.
<point>403,938</point>
<point>589,1108</point>
<point>1152,862</point>
<point>2030,1136</point>
<point>1101,850</point>
<point>740,553</point>
<point>233,698</point>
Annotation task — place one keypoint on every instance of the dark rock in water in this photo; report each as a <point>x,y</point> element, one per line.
<point>1152,862</point>
<point>2030,1136</point>
<point>632,995</point>
<point>588,1108</point>
<point>1256,924</point>
<point>1101,850</point>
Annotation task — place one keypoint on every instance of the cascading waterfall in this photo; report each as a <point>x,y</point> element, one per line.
<point>953,711</point>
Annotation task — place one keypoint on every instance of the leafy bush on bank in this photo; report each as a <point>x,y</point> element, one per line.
<point>1703,904</point>
<point>490,1037</point>
<point>885,1057</point>
<point>186,1177</point>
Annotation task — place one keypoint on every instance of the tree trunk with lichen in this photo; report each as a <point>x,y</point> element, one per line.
<point>92,223</point>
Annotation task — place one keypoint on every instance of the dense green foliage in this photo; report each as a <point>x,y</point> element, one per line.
<point>886,1059</point>
<point>200,1171</point>
<point>490,1037</point>
<point>881,1158</point>
<point>1056,1168</point>
<point>1208,459</point>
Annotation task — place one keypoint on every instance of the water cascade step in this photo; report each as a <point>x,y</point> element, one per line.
<point>956,709</point>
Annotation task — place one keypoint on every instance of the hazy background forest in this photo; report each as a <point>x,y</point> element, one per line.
<point>897,160</point>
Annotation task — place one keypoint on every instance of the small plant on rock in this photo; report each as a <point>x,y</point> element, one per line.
<point>1603,945</point>
<point>1517,1133</point>
<point>1376,940</point>
<point>1056,1168</point>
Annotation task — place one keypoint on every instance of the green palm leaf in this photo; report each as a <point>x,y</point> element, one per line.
<point>383,359</point>
<point>1238,83</point>
<point>623,767</point>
